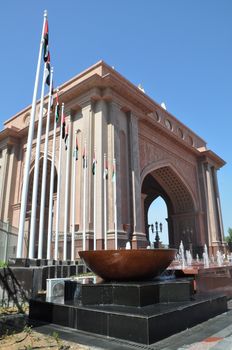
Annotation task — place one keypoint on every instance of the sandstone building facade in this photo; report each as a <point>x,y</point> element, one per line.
<point>156,155</point>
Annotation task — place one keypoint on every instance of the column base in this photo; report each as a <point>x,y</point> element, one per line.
<point>216,245</point>
<point>139,240</point>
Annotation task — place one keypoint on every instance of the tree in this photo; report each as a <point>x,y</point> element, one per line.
<point>228,238</point>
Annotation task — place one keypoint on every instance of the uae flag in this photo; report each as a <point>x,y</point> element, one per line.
<point>66,138</point>
<point>84,158</point>
<point>94,165</point>
<point>48,71</point>
<point>76,149</point>
<point>52,100</point>
<point>106,170</point>
<point>63,125</point>
<point>45,42</point>
<point>57,111</point>
<point>113,173</point>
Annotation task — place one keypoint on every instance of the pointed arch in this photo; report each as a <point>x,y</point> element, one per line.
<point>155,166</point>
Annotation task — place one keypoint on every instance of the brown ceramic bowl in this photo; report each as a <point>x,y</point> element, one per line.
<point>128,265</point>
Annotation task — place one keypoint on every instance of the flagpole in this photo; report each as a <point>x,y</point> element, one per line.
<point>66,197</point>
<point>73,201</point>
<point>94,204</point>
<point>105,207</point>
<point>28,153</point>
<point>115,208</point>
<point>84,198</point>
<point>50,217</point>
<point>36,172</point>
<point>44,175</point>
<point>58,190</point>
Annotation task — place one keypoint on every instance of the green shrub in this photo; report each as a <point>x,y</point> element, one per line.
<point>3,264</point>
<point>228,239</point>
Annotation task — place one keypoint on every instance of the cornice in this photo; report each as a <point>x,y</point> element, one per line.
<point>10,136</point>
<point>209,156</point>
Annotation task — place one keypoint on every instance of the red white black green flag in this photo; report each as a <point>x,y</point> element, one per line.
<point>66,137</point>
<point>48,70</point>
<point>94,164</point>
<point>57,110</point>
<point>63,125</point>
<point>76,149</point>
<point>84,157</point>
<point>45,43</point>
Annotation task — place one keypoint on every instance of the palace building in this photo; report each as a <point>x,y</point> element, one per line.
<point>156,155</point>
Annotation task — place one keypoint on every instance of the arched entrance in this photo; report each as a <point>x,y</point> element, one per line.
<point>29,203</point>
<point>158,226</point>
<point>168,184</point>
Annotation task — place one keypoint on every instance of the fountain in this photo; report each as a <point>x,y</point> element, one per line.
<point>206,257</point>
<point>181,254</point>
<point>132,302</point>
<point>219,258</point>
<point>130,298</point>
<point>189,258</point>
<point>128,265</point>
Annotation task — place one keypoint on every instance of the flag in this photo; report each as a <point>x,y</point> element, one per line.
<point>45,42</point>
<point>94,165</point>
<point>113,172</point>
<point>57,111</point>
<point>66,138</point>
<point>84,158</point>
<point>76,149</point>
<point>106,170</point>
<point>48,70</point>
<point>63,125</point>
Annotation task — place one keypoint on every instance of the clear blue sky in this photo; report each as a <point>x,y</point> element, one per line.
<point>179,50</point>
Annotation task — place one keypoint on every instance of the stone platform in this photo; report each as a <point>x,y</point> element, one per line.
<point>214,279</point>
<point>141,312</point>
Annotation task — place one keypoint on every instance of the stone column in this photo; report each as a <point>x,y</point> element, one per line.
<point>100,137</point>
<point>136,185</point>
<point>218,204</point>
<point>135,174</point>
<point>110,157</point>
<point>9,184</point>
<point>213,223</point>
<point>87,135</point>
<point>143,197</point>
<point>77,127</point>
<point>63,176</point>
<point>114,143</point>
<point>3,179</point>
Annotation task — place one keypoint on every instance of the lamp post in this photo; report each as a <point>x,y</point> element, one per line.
<point>152,231</point>
<point>158,229</point>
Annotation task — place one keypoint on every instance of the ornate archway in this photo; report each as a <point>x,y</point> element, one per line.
<point>168,184</point>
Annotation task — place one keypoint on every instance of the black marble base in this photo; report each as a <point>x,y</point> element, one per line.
<point>130,294</point>
<point>140,319</point>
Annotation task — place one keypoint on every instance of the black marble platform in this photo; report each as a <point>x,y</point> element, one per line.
<point>132,321</point>
<point>129,294</point>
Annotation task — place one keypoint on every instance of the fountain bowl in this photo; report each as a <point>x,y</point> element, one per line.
<point>128,265</point>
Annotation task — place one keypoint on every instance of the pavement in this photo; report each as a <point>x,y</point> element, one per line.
<point>214,334</point>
